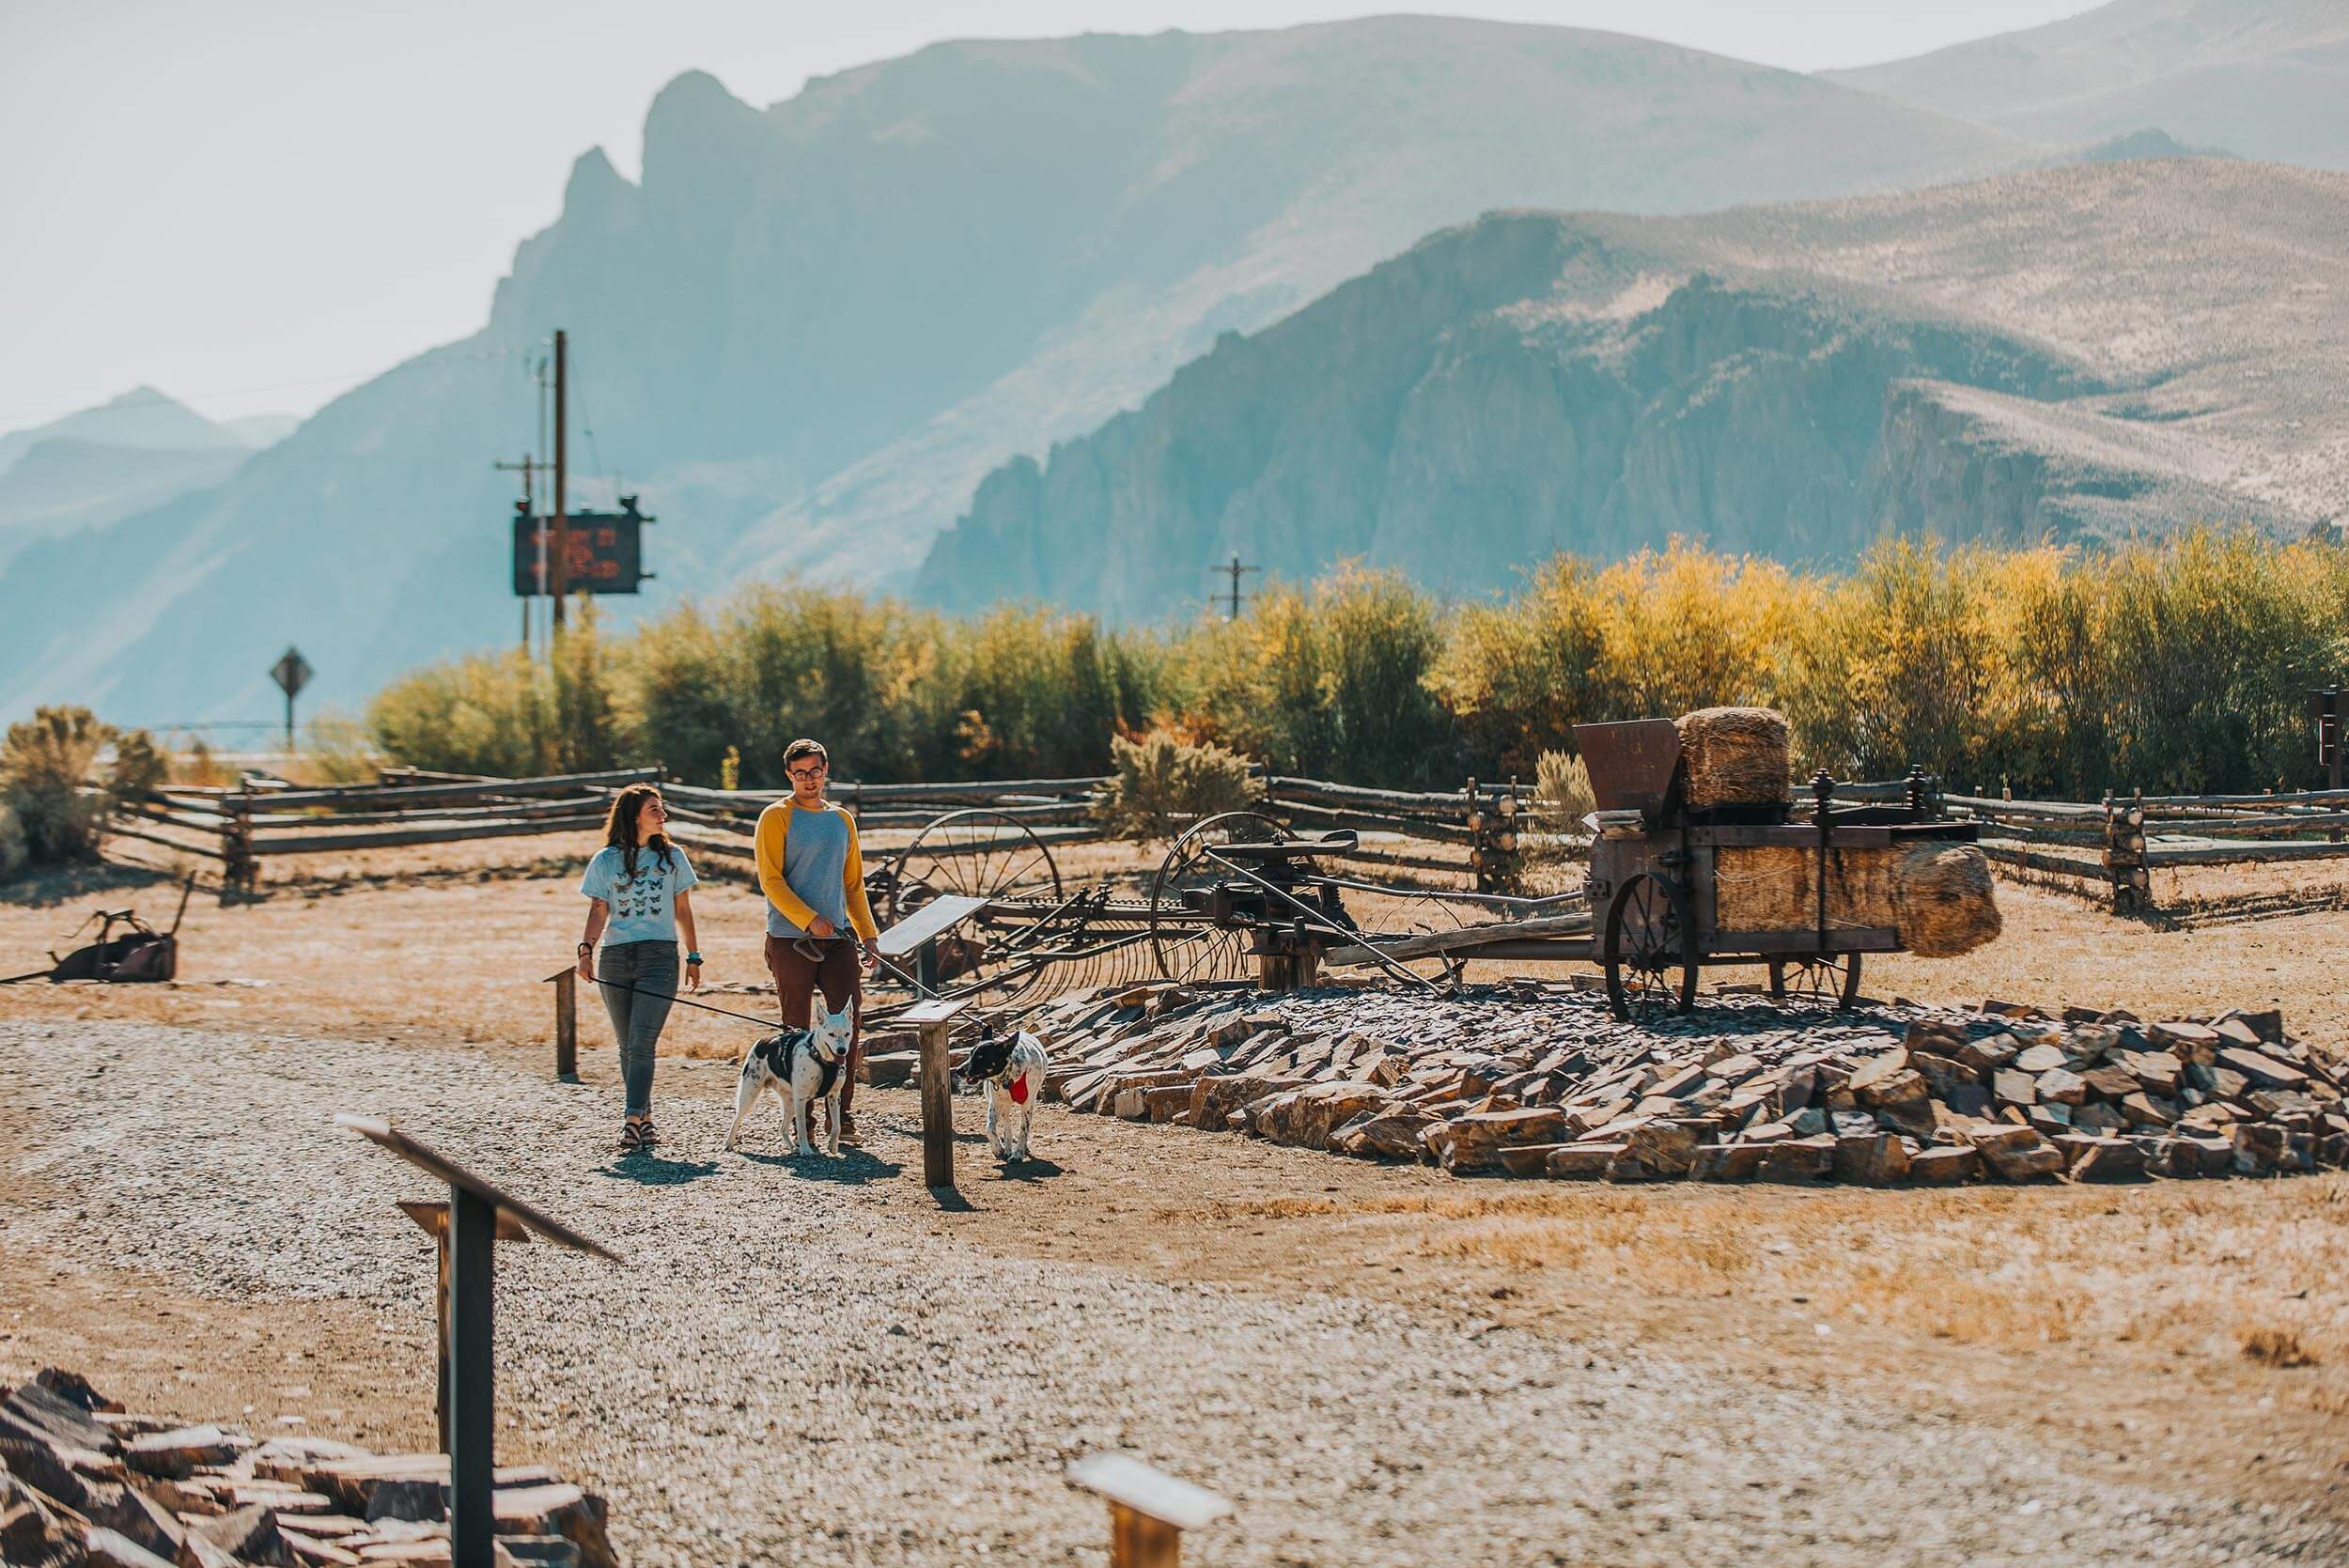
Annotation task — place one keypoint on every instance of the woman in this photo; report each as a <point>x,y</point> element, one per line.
<point>636,887</point>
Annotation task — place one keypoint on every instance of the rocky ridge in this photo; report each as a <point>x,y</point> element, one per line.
<point>1526,1079</point>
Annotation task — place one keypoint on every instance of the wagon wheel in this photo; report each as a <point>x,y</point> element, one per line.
<point>983,854</point>
<point>1829,979</point>
<point>1649,936</point>
<point>1185,945</point>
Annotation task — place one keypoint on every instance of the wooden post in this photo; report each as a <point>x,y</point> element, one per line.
<point>472,1230</point>
<point>1149,1509</point>
<point>935,1022</point>
<point>565,984</point>
<point>2124,855</point>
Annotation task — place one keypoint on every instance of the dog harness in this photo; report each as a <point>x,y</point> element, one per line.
<point>1020,1090</point>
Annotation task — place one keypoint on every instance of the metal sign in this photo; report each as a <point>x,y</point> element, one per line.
<point>292,673</point>
<point>607,552</point>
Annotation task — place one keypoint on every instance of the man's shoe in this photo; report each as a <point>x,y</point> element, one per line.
<point>847,1129</point>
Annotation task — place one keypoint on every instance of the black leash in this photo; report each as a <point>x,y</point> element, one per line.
<point>671,996</point>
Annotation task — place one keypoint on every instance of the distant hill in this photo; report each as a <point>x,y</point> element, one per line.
<point>2262,78</point>
<point>78,474</point>
<point>809,330</point>
<point>141,417</point>
<point>2080,352</point>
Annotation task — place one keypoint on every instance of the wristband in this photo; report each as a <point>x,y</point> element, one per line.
<point>692,958</point>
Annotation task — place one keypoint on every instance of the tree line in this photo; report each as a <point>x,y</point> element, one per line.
<point>2176,666</point>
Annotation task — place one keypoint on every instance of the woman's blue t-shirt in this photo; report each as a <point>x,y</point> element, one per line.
<point>644,907</point>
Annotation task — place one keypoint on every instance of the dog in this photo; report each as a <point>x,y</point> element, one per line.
<point>1013,1071</point>
<point>802,1067</point>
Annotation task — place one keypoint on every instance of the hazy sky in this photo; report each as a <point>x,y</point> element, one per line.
<point>255,204</point>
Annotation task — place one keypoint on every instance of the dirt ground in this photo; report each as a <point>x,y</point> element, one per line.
<point>2189,1333</point>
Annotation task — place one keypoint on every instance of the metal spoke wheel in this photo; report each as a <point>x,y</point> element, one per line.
<point>981,854</point>
<point>1822,980</point>
<point>1650,949</point>
<point>1184,944</point>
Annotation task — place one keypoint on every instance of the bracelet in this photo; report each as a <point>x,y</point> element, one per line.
<point>584,946</point>
<point>692,958</point>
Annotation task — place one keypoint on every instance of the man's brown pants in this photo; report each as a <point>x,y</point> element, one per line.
<point>797,977</point>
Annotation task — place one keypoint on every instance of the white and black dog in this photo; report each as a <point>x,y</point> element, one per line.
<point>802,1067</point>
<point>1013,1071</point>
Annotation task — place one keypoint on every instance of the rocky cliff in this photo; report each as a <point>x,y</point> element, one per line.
<point>2075,353</point>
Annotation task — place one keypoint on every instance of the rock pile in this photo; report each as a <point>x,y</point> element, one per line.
<point>1530,1079</point>
<point>87,1484</point>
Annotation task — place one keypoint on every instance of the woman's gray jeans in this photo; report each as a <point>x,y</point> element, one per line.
<point>636,1017</point>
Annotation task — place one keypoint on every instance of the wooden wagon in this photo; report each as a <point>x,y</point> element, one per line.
<point>1805,891</point>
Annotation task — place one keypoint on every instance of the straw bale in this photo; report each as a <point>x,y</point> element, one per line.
<point>1945,899</point>
<point>1736,756</point>
<point>1774,886</point>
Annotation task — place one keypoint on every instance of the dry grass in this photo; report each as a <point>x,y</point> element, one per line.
<point>2172,1267</point>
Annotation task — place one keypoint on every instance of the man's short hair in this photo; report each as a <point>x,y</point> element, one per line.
<point>803,748</point>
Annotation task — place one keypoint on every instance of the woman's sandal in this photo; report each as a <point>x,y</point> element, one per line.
<point>646,1139</point>
<point>632,1139</point>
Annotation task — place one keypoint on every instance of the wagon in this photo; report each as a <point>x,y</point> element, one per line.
<point>1806,892</point>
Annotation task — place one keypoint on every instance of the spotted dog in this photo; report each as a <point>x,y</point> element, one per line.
<point>1013,1071</point>
<point>801,1066</point>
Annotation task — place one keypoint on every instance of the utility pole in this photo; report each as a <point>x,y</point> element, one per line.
<point>530,471</point>
<point>562,453</point>
<point>1233,571</point>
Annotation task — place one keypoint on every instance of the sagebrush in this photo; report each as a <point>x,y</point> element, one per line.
<point>1160,785</point>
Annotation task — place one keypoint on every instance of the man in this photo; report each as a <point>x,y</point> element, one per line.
<point>814,879</point>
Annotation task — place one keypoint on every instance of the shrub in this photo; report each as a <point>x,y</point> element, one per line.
<point>1162,785</point>
<point>47,767</point>
<point>339,750</point>
<point>12,851</point>
<point>1563,788</point>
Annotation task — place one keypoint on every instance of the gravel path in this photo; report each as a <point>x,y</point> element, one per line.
<point>796,1364</point>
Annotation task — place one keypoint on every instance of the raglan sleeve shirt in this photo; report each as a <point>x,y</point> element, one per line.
<point>767,846</point>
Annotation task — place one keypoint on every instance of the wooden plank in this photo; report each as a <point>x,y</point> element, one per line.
<point>1450,802</point>
<point>1123,1479</point>
<point>938,1010</point>
<point>322,841</point>
<point>938,915</point>
<point>423,815</point>
<point>118,830</point>
<point>2157,854</point>
<point>1467,939</point>
<point>441,1168</point>
<point>361,797</point>
<point>1402,827</point>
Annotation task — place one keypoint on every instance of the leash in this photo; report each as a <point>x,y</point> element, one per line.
<point>671,996</point>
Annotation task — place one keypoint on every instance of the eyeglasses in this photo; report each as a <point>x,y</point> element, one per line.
<point>816,772</point>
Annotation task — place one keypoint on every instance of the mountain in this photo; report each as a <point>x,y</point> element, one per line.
<point>2079,352</point>
<point>142,418</point>
<point>262,429</point>
<point>89,469</point>
<point>807,330</point>
<point>2262,78</point>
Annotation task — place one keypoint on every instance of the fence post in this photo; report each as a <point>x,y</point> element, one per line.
<point>1494,839</point>
<point>238,873</point>
<point>2125,854</point>
<point>565,984</point>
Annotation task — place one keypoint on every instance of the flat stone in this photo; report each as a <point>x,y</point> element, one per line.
<point>1582,1161</point>
<point>2146,1110</point>
<point>1877,1070</point>
<point>1664,1148</point>
<point>1799,1160</point>
<point>181,1449</point>
<point>2061,1086</point>
<point>2039,1058</point>
<point>1942,1166</point>
<point>2109,1159</point>
<point>1477,1139</point>
<point>1989,1053</point>
<point>1877,1160</point>
<point>1728,1162</point>
<point>2014,1086</point>
<point>2263,1069</point>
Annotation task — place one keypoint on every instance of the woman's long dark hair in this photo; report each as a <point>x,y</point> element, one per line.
<point>619,828</point>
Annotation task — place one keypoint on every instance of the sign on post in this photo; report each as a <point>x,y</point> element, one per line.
<point>292,673</point>
<point>607,552</point>
<point>478,1213</point>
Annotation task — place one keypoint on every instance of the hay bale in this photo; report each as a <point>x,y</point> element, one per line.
<point>1945,900</point>
<point>1736,756</point>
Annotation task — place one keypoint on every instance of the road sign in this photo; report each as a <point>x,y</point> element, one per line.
<point>607,552</point>
<point>292,673</point>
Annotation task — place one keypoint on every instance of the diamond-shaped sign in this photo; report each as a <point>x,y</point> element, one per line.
<point>291,672</point>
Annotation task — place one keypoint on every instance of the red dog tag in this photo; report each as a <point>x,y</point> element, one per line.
<point>1020,1090</point>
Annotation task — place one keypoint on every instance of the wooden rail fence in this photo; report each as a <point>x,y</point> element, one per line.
<point>1484,830</point>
